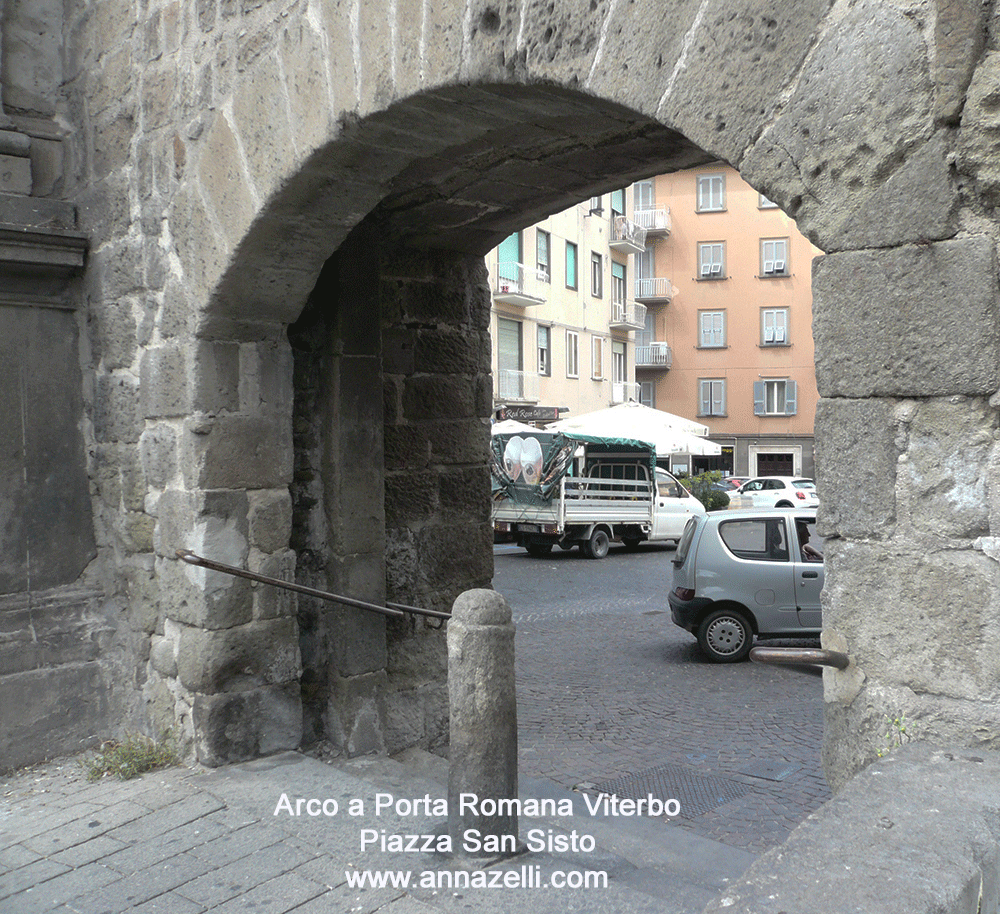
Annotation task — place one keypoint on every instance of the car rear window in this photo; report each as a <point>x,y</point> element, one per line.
<point>760,539</point>
<point>803,484</point>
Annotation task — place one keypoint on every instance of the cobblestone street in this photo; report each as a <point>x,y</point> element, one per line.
<point>613,696</point>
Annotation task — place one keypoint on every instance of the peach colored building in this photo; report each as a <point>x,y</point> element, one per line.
<point>728,329</point>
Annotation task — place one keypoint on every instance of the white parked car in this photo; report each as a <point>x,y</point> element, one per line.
<point>776,492</point>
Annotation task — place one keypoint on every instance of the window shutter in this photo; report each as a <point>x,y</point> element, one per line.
<point>705,406</point>
<point>758,398</point>
<point>718,398</point>
<point>618,202</point>
<point>770,319</point>
<point>791,397</point>
<point>781,326</point>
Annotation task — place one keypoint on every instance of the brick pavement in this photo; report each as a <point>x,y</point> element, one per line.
<point>609,687</point>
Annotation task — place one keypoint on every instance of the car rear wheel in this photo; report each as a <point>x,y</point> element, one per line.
<point>597,546</point>
<point>725,636</point>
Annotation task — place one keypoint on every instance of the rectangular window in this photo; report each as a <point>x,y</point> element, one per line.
<point>764,203</point>
<point>617,283</point>
<point>712,260</point>
<point>643,195</point>
<point>774,327</point>
<point>712,397</point>
<point>572,354</point>
<point>596,207</point>
<point>570,265</point>
<point>544,351</point>
<point>596,275</point>
<point>773,256</point>
<point>711,193</point>
<point>711,329</point>
<point>647,394</point>
<point>509,262</point>
<point>510,376</point>
<point>597,358</point>
<point>542,255</point>
<point>618,370</point>
<point>775,398</point>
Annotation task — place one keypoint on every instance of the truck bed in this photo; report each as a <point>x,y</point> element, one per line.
<point>585,501</point>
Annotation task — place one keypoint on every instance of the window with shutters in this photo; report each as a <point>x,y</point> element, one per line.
<point>597,358</point>
<point>711,329</point>
<point>572,354</point>
<point>774,327</point>
<point>542,255</point>
<point>711,397</point>
<point>617,203</point>
<point>711,193</point>
<point>712,260</point>
<point>617,283</point>
<point>544,350</point>
<point>571,265</point>
<point>775,397</point>
<point>510,375</point>
<point>773,257</point>
<point>509,259</point>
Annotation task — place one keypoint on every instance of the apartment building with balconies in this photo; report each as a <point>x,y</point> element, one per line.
<point>728,327</point>
<point>564,311</point>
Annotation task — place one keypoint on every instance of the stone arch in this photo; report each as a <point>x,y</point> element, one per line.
<point>834,113</point>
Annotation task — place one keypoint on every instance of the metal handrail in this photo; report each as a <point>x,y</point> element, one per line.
<point>390,609</point>
<point>800,655</point>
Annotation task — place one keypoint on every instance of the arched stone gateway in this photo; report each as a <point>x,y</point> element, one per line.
<point>288,204</point>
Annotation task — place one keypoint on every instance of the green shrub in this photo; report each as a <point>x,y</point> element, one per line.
<point>130,757</point>
<point>700,487</point>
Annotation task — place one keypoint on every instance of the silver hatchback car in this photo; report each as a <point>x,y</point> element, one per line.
<point>746,573</point>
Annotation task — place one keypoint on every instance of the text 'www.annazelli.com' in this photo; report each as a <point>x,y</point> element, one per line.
<point>525,877</point>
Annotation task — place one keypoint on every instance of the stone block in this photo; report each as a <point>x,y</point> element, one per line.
<point>464,493</point>
<point>15,175</point>
<point>959,31</point>
<point>266,369</point>
<point>444,563</point>
<point>915,321</point>
<point>142,588</point>
<point>117,413</point>
<point>410,497</point>
<point>164,382</point>
<point>304,65</point>
<point>921,619</point>
<point>196,596</point>
<point>235,452</point>
<point>409,446</point>
<point>223,181</point>
<point>215,377</point>
<point>356,636</point>
<point>855,440</point>
<point>752,45</point>
<point>270,518</point>
<point>116,333</point>
<point>269,601</point>
<point>162,656</point>
<point>238,659</point>
<point>51,712</point>
<point>354,713</point>
<point>158,450</point>
<point>942,489</point>
<point>426,398</point>
<point>856,138</point>
<point>112,142</point>
<point>980,123</point>
<point>237,726</point>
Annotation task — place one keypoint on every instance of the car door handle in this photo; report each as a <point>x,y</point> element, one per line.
<point>810,574</point>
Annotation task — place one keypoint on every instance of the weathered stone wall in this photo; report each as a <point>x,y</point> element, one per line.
<point>220,155</point>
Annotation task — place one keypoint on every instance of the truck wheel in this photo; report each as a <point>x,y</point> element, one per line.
<point>598,545</point>
<point>538,550</point>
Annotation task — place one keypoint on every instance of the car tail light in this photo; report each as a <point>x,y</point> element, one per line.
<point>684,593</point>
<point>801,495</point>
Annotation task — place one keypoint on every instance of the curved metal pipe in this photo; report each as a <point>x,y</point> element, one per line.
<point>800,655</point>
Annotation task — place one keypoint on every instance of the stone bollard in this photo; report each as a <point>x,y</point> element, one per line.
<point>483,757</point>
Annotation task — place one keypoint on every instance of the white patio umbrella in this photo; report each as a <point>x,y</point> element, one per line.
<point>669,434</point>
<point>511,427</point>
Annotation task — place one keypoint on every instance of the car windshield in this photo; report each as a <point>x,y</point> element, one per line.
<point>803,484</point>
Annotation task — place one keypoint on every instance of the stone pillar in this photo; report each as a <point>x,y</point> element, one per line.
<point>483,759</point>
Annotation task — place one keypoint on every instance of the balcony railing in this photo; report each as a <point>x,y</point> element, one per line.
<point>655,220</point>
<point>626,236</point>
<point>627,316</point>
<point>623,391</point>
<point>654,355</point>
<point>516,385</point>
<point>517,284</point>
<point>655,290</point>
